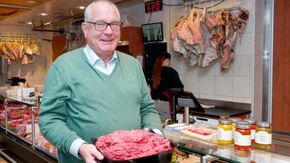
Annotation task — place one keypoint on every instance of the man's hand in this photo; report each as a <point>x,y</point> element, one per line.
<point>90,153</point>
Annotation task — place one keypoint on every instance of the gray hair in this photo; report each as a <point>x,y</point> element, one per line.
<point>88,11</point>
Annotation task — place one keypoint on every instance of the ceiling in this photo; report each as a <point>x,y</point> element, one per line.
<point>20,12</point>
<point>16,7</point>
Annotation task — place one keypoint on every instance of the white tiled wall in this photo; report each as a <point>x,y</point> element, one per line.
<point>237,83</point>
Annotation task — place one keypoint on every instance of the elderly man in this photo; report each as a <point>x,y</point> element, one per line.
<point>94,90</point>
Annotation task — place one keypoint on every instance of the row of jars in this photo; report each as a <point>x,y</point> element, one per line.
<point>244,133</point>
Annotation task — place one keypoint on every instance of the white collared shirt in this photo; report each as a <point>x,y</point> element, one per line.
<point>98,63</point>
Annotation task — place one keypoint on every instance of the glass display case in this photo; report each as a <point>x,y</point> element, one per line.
<point>19,124</point>
<point>210,150</point>
<point>20,139</point>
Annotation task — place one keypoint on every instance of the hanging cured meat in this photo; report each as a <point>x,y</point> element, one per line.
<point>203,37</point>
<point>20,51</point>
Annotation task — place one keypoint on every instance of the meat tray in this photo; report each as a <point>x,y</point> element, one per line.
<point>163,157</point>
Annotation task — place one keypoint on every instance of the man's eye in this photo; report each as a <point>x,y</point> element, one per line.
<point>100,24</point>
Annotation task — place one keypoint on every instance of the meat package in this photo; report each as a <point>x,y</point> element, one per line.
<point>133,145</point>
<point>202,133</point>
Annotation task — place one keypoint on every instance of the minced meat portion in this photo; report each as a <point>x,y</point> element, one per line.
<point>127,145</point>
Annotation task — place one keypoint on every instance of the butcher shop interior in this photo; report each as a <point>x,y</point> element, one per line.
<point>232,57</point>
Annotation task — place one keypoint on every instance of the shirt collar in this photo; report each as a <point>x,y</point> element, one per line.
<point>94,58</point>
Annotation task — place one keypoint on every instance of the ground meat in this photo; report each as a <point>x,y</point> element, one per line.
<point>127,145</point>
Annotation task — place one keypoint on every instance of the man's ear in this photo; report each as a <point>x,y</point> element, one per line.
<point>85,29</point>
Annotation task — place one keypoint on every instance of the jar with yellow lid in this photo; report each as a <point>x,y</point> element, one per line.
<point>263,135</point>
<point>225,131</point>
<point>252,123</point>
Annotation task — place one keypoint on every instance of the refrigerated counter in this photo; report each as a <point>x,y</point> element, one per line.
<point>20,139</point>
<point>278,152</point>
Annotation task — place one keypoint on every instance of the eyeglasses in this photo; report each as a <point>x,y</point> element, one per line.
<point>101,25</point>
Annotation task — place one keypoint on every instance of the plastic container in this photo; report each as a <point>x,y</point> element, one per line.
<point>242,136</point>
<point>225,131</point>
<point>263,135</point>
<point>252,123</point>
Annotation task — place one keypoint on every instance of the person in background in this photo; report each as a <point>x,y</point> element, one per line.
<point>95,90</point>
<point>164,78</point>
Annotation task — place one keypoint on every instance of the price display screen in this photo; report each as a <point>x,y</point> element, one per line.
<point>152,6</point>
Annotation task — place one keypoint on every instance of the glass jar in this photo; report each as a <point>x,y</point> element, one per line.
<point>235,119</point>
<point>225,131</point>
<point>263,135</point>
<point>242,136</point>
<point>252,123</point>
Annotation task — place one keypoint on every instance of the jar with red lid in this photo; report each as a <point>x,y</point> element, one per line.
<point>253,126</point>
<point>242,138</point>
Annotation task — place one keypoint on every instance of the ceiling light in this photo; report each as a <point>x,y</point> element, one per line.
<point>82,7</point>
<point>29,23</point>
<point>43,14</point>
<point>30,1</point>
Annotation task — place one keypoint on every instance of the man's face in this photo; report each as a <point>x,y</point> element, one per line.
<point>102,42</point>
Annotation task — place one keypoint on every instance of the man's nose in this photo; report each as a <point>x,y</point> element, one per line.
<point>108,29</point>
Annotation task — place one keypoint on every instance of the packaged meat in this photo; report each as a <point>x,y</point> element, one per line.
<point>202,133</point>
<point>132,144</point>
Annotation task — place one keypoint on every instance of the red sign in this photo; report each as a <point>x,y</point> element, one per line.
<point>152,6</point>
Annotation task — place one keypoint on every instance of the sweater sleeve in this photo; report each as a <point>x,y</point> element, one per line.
<point>52,115</point>
<point>149,115</point>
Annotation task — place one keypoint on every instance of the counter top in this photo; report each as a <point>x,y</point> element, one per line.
<point>278,152</point>
<point>216,112</point>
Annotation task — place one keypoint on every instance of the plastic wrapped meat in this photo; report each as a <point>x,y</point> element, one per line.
<point>199,33</point>
<point>226,58</point>
<point>27,49</point>
<point>176,42</point>
<point>209,56</point>
<point>35,48</point>
<point>6,50</point>
<point>210,21</point>
<point>184,32</point>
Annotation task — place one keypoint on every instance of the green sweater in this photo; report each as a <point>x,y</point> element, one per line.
<point>82,102</point>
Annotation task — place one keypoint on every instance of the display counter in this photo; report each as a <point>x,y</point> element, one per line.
<point>21,141</point>
<point>20,138</point>
<point>278,152</point>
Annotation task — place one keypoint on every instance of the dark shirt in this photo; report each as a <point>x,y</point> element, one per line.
<point>169,79</point>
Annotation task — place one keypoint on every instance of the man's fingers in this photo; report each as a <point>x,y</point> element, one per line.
<point>90,153</point>
<point>98,154</point>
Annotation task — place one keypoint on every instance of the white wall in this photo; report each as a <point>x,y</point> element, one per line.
<point>33,73</point>
<point>135,14</point>
<point>237,84</point>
